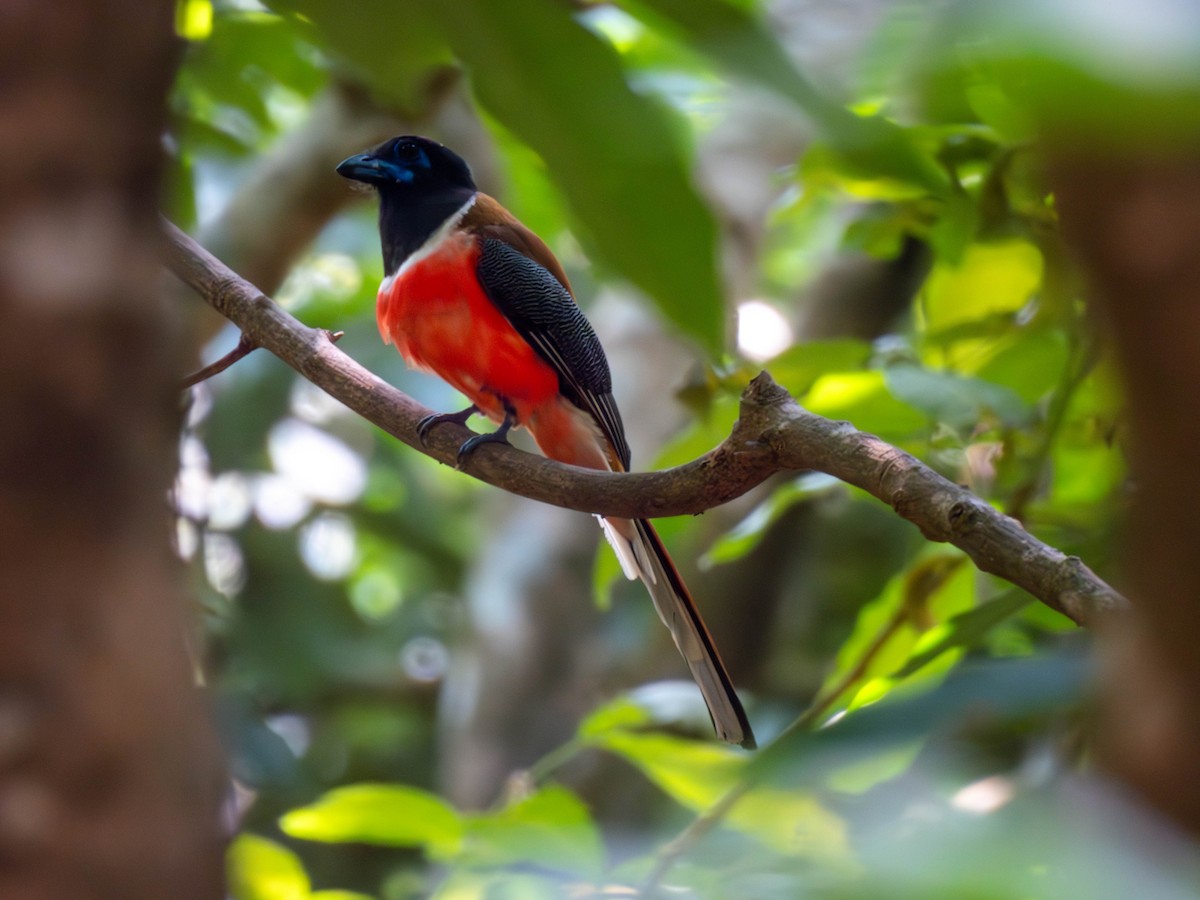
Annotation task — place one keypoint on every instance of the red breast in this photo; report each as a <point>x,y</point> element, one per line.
<point>438,316</point>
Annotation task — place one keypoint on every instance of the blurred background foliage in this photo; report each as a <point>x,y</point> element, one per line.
<point>845,193</point>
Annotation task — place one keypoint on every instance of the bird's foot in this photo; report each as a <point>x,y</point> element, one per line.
<point>460,418</point>
<point>499,436</point>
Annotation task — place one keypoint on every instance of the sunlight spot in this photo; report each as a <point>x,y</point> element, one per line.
<point>984,796</point>
<point>224,564</point>
<point>762,331</point>
<point>329,276</point>
<point>187,538</point>
<point>278,504</point>
<point>376,593</point>
<point>329,547</point>
<point>615,25</point>
<point>424,659</point>
<point>294,729</point>
<point>835,718</point>
<point>229,501</point>
<point>318,464</point>
<point>310,403</point>
<point>191,492</point>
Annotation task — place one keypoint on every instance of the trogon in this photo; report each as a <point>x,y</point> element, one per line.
<point>474,296</point>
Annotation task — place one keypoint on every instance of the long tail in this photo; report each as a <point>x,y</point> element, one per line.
<point>679,613</point>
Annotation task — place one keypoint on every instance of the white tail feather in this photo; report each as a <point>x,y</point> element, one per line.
<point>624,548</point>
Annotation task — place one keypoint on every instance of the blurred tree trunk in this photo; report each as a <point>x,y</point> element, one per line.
<point>109,780</point>
<point>1135,225</point>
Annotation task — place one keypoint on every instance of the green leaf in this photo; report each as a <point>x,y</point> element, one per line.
<point>745,536</point>
<point>736,39</point>
<point>1031,365</point>
<point>696,775</point>
<point>991,281</point>
<point>798,368</point>
<point>339,895</point>
<point>693,773</point>
<point>1122,72</point>
<point>550,829</point>
<point>964,630</point>
<point>863,399</point>
<point>394,47</point>
<point>621,714</point>
<point>615,154</point>
<point>955,400</point>
<point>466,884</point>
<point>998,688</point>
<point>259,869</point>
<point>386,814</point>
<point>935,587</point>
<point>792,822</point>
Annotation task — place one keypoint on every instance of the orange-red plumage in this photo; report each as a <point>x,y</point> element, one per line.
<point>438,316</point>
<point>440,320</point>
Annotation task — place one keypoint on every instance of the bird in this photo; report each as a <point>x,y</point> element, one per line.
<point>472,295</point>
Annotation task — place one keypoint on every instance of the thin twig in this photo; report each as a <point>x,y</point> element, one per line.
<point>773,434</point>
<point>697,829</point>
<point>245,346</point>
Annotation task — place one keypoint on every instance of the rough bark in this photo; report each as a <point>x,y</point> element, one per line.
<point>109,781</point>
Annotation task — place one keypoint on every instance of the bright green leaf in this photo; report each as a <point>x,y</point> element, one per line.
<point>792,822</point>
<point>863,399</point>
<point>259,869</point>
<point>863,774</point>
<point>991,280</point>
<point>194,19</point>
<point>550,829</point>
<point>696,775</point>
<point>934,588</point>
<point>621,714</point>
<point>965,630</point>
<point>391,815</point>
<point>693,773</point>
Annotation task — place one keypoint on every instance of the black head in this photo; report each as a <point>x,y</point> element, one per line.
<point>410,164</point>
<point>421,184</point>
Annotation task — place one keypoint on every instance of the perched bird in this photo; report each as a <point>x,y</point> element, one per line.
<point>474,296</point>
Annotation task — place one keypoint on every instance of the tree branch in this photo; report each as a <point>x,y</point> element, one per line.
<point>773,434</point>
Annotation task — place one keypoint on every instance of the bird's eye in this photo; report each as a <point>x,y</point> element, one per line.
<point>407,151</point>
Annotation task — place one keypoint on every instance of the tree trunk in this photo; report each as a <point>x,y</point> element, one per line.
<point>1135,224</point>
<point>109,782</point>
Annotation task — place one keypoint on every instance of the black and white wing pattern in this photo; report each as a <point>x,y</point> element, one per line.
<point>545,314</point>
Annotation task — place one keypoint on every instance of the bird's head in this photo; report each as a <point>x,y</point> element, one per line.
<point>410,165</point>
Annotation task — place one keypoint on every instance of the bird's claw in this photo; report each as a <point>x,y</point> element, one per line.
<point>427,423</point>
<point>472,444</point>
